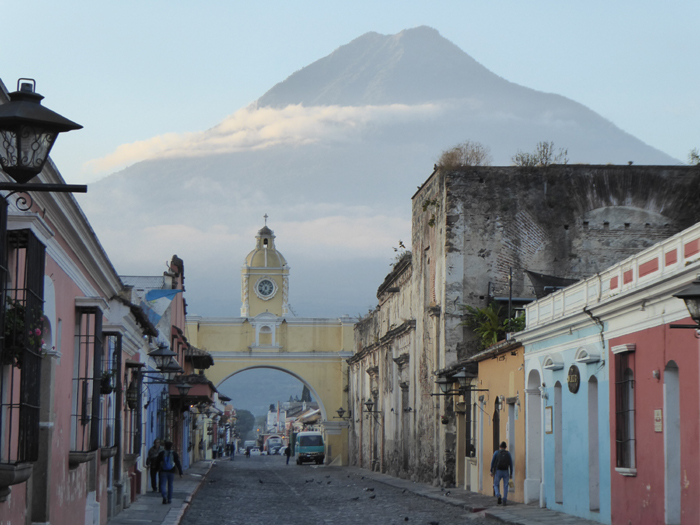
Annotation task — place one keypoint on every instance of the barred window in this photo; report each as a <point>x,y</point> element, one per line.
<point>87,376</point>
<point>624,410</point>
<point>111,389</point>
<point>132,416</point>
<point>22,258</point>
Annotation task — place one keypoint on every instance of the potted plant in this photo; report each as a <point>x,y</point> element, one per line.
<point>19,334</point>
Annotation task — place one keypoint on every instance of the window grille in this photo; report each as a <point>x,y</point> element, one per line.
<point>164,415</point>
<point>624,409</point>
<point>132,420</point>
<point>22,321</point>
<point>87,376</point>
<point>111,389</point>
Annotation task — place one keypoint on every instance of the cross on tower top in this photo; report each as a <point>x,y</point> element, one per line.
<point>265,219</point>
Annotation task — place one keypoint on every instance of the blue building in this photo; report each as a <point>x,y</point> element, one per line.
<point>567,387</point>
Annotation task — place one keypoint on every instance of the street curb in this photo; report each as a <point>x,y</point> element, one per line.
<point>175,515</point>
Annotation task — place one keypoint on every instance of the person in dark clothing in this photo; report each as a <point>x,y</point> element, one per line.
<point>501,469</point>
<point>288,452</point>
<point>168,462</point>
<point>233,450</point>
<point>151,463</point>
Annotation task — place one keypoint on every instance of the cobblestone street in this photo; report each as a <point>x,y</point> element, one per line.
<point>263,490</point>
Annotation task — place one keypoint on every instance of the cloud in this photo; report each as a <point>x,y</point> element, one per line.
<point>254,128</point>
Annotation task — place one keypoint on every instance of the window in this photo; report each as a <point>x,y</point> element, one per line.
<point>87,380</point>
<point>624,409</point>
<point>22,321</point>
<point>111,388</point>
<point>132,416</point>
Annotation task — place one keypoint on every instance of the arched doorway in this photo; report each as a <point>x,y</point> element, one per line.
<point>672,444</point>
<point>533,480</point>
<point>558,445</point>
<point>593,447</point>
<point>496,424</point>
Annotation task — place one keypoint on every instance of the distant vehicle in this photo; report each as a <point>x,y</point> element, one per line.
<point>310,447</point>
<point>255,451</point>
<point>282,450</point>
<point>272,442</point>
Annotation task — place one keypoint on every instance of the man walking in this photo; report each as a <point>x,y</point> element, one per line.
<point>288,452</point>
<point>233,450</point>
<point>151,463</point>
<point>501,469</point>
<point>168,461</point>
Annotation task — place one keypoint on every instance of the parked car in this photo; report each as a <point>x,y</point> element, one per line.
<point>274,451</point>
<point>255,451</point>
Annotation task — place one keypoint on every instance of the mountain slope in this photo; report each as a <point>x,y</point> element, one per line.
<point>347,139</point>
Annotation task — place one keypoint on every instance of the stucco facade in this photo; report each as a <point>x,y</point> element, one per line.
<point>497,414</point>
<point>623,448</point>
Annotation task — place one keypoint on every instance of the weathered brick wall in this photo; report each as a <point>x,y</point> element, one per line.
<point>569,221</point>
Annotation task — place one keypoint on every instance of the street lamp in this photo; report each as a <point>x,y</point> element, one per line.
<point>691,296</point>
<point>341,413</point>
<point>445,385</point>
<point>28,131</point>
<point>183,388</point>
<point>170,370</point>
<point>369,404</point>
<point>132,395</point>
<point>162,355</point>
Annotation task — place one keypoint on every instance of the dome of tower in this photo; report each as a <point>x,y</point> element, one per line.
<point>265,255</point>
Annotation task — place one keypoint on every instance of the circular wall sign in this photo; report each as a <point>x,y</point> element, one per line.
<point>573,379</point>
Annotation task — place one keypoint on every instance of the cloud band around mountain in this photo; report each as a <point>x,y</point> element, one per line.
<point>254,128</point>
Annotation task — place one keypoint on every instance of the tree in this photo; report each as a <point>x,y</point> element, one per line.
<point>543,156</point>
<point>244,421</point>
<point>489,323</point>
<point>468,153</point>
<point>694,157</point>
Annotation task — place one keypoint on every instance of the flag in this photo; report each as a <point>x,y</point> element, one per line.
<point>157,302</point>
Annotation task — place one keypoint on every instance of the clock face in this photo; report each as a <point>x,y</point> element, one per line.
<point>266,287</point>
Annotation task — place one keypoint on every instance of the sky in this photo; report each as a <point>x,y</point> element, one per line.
<point>129,71</point>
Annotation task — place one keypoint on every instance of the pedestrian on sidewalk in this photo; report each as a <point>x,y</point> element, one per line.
<point>501,469</point>
<point>288,452</point>
<point>151,463</point>
<point>233,450</point>
<point>168,462</point>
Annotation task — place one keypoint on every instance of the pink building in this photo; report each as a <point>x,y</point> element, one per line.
<point>71,447</point>
<point>655,389</point>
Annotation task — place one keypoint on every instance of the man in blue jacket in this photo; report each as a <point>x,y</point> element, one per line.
<point>501,469</point>
<point>168,463</point>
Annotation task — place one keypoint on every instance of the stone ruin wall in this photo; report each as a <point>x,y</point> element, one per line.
<point>569,221</point>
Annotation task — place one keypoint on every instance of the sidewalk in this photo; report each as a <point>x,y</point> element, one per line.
<point>514,513</point>
<point>149,508</point>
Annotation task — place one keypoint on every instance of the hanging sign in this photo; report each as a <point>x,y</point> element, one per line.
<point>573,379</point>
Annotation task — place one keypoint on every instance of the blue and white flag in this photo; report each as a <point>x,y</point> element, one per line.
<point>157,302</point>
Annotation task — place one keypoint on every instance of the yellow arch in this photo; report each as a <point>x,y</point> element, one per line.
<point>313,391</point>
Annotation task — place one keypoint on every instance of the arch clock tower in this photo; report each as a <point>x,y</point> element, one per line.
<point>265,278</point>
